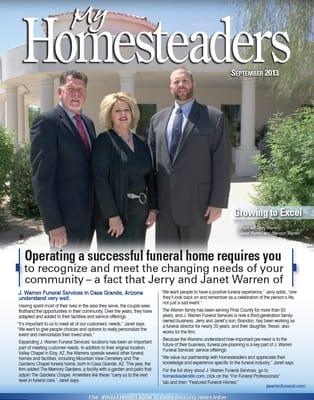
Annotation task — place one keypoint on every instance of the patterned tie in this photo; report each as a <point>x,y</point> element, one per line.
<point>176,132</point>
<point>82,132</point>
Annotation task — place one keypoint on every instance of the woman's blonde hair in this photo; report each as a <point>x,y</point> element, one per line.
<point>106,107</point>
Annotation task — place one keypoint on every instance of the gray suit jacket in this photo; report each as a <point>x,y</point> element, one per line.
<point>199,174</point>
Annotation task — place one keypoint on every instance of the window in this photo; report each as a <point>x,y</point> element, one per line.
<point>233,113</point>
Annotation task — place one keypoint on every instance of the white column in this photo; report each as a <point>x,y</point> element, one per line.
<point>26,123</point>
<point>46,94</point>
<point>127,83</point>
<point>243,158</point>
<point>56,84</point>
<point>2,111</point>
<point>248,114</point>
<point>11,120</point>
<point>21,119</point>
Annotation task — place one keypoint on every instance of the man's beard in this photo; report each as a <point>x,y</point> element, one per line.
<point>184,96</point>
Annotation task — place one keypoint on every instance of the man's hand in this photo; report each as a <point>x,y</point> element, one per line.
<point>151,218</point>
<point>116,227</point>
<point>212,213</point>
<point>58,237</point>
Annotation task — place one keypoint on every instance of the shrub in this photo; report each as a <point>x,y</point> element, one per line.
<point>22,201</point>
<point>287,174</point>
<point>6,154</point>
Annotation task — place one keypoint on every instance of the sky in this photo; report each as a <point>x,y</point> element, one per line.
<point>174,15</point>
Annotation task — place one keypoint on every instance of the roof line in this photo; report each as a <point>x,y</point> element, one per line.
<point>95,10</point>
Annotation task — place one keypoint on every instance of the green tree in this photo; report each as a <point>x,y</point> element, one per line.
<point>287,174</point>
<point>297,19</point>
<point>22,201</point>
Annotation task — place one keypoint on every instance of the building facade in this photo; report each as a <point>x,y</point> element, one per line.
<point>246,101</point>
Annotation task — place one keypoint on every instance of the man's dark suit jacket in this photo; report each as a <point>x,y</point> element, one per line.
<point>61,174</point>
<point>199,174</point>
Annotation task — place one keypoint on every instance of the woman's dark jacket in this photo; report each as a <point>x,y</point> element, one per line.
<point>110,174</point>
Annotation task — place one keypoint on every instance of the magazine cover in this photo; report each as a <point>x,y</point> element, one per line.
<point>156,191</point>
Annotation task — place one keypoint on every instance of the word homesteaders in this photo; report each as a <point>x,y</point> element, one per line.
<point>157,46</point>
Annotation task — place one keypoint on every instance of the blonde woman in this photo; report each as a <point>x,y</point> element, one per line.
<point>123,176</point>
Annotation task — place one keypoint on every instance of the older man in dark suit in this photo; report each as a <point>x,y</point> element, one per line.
<point>192,157</point>
<point>61,141</point>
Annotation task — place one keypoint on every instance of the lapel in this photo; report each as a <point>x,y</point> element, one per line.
<point>71,129</point>
<point>190,124</point>
<point>163,131</point>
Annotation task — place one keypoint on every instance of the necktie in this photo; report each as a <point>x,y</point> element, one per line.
<point>176,132</point>
<point>82,132</point>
